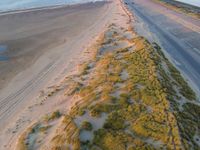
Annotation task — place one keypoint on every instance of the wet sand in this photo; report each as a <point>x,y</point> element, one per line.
<point>28,35</point>
<point>37,45</point>
<point>32,42</point>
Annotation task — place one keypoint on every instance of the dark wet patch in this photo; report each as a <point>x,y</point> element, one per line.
<point>3,58</point>
<point>3,49</point>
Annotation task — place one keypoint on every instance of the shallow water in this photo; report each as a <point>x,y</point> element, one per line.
<point>3,49</point>
<point>7,5</point>
<point>3,58</point>
<point>192,2</point>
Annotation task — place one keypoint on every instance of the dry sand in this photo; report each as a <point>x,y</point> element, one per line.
<point>44,46</point>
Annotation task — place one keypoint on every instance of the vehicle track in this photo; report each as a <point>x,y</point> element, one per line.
<point>5,101</point>
<point>9,103</point>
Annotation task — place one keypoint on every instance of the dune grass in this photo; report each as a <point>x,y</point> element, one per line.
<point>143,110</point>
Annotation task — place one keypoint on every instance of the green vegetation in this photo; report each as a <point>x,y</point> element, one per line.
<point>154,108</point>
<point>44,128</point>
<point>81,112</point>
<point>189,125</point>
<point>21,144</point>
<point>53,116</point>
<point>86,126</point>
<point>96,110</point>
<point>68,135</point>
<point>140,111</point>
<point>141,108</point>
<point>181,8</point>
<point>109,140</point>
<point>115,121</point>
<point>182,85</point>
<point>185,90</point>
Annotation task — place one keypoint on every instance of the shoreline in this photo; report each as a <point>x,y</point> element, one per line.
<point>29,39</point>
<point>17,11</point>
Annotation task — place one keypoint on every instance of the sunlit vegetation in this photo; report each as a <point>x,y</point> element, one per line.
<point>181,8</point>
<point>143,111</point>
<point>21,144</point>
<point>189,124</point>
<point>24,142</point>
<point>68,135</point>
<point>86,126</point>
<point>54,115</point>
<point>139,110</point>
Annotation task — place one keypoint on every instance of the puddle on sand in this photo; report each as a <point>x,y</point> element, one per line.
<point>3,49</point>
<point>3,58</point>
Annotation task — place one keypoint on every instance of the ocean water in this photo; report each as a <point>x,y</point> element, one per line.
<point>192,2</point>
<point>7,5</point>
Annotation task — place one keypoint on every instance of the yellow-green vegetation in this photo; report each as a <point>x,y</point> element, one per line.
<point>129,113</point>
<point>52,116</point>
<point>67,135</point>
<point>143,110</point>
<point>147,102</point>
<point>176,77</point>
<point>24,143</point>
<point>21,144</point>
<point>43,129</point>
<point>181,8</point>
<point>86,126</point>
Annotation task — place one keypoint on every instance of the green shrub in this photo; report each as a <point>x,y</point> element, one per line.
<point>96,110</point>
<point>108,140</point>
<point>81,112</point>
<point>86,126</point>
<point>114,122</point>
<point>44,129</point>
<point>54,115</point>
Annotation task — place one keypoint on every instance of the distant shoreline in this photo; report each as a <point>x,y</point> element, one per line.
<point>15,11</point>
<point>31,9</point>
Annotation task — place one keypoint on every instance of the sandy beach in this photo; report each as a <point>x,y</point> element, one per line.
<point>91,76</point>
<point>41,48</point>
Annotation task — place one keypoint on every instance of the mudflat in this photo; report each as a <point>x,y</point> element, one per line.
<point>28,35</point>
